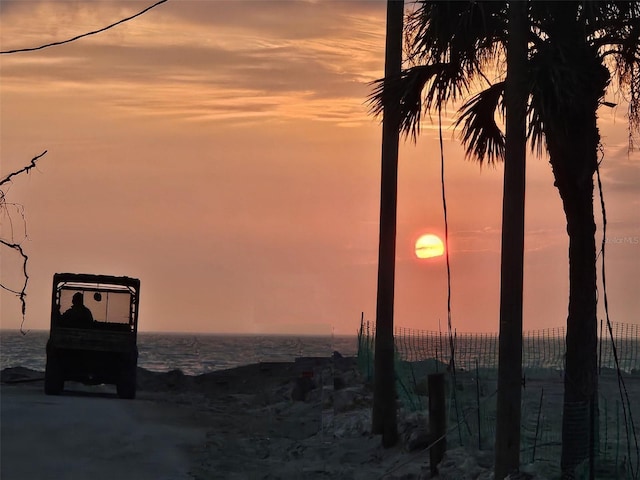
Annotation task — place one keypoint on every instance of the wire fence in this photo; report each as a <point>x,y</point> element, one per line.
<point>472,399</point>
<point>541,349</point>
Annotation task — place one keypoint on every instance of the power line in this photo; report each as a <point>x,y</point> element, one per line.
<point>77,37</point>
<point>624,394</point>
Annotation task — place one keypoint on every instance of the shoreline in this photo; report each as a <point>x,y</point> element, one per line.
<point>230,377</point>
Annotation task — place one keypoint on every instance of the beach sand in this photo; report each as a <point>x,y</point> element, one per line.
<point>262,421</point>
<point>304,420</point>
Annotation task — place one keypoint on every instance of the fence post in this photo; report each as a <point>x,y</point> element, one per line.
<point>437,420</point>
<point>592,437</point>
<point>606,428</point>
<point>478,405</point>
<point>617,435</point>
<point>600,351</point>
<point>535,438</point>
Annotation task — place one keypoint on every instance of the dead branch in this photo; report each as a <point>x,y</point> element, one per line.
<point>21,294</point>
<point>31,165</point>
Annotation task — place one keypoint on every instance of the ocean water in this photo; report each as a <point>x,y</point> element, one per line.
<point>194,354</point>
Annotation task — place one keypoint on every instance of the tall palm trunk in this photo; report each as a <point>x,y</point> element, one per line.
<point>511,266</point>
<point>384,392</point>
<point>581,382</point>
<point>572,137</point>
<point>573,156</point>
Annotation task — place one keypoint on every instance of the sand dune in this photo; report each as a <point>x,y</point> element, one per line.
<point>304,420</point>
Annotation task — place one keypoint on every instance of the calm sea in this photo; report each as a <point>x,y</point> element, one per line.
<point>194,354</point>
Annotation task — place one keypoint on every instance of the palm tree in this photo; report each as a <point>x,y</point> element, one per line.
<point>383,414</point>
<point>509,398</point>
<point>576,49</point>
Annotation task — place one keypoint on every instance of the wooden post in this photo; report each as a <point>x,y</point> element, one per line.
<point>535,438</point>
<point>600,354</point>
<point>592,435</point>
<point>437,421</point>
<point>478,405</point>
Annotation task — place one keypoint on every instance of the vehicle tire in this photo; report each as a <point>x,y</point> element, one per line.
<point>126,386</point>
<point>53,375</point>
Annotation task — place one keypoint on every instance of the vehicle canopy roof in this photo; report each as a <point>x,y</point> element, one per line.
<point>87,278</point>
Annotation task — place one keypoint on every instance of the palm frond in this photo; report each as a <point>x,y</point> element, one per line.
<point>466,33</point>
<point>424,86</point>
<point>621,38</point>
<point>481,134</point>
<point>565,86</point>
<point>611,29</point>
<point>535,130</point>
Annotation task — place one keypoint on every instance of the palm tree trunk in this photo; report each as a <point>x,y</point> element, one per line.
<point>573,157</point>
<point>581,380</point>
<point>384,391</point>
<point>507,449</point>
<point>573,139</point>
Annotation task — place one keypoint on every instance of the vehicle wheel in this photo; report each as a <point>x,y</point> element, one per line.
<point>53,377</point>
<point>126,386</point>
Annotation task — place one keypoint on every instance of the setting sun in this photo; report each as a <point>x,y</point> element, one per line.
<point>428,246</point>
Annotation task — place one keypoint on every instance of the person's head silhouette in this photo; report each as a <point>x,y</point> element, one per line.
<point>78,299</point>
<point>78,315</point>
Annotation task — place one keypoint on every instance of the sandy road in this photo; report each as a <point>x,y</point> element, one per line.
<point>90,434</point>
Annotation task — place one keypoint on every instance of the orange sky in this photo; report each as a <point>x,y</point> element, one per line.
<point>221,152</point>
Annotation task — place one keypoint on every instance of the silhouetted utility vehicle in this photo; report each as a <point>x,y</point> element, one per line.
<point>94,327</point>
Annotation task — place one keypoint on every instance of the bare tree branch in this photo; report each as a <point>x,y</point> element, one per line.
<point>21,294</point>
<point>31,165</point>
<point>4,211</point>
<point>77,37</point>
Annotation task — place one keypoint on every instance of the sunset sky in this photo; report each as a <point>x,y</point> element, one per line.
<point>222,152</point>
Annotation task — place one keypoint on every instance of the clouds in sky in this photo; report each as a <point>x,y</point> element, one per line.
<point>205,61</point>
<point>222,151</point>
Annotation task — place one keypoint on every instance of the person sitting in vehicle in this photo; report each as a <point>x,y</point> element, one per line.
<point>78,315</point>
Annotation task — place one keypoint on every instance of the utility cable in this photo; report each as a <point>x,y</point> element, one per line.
<point>446,255</point>
<point>77,37</point>
<point>624,394</point>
